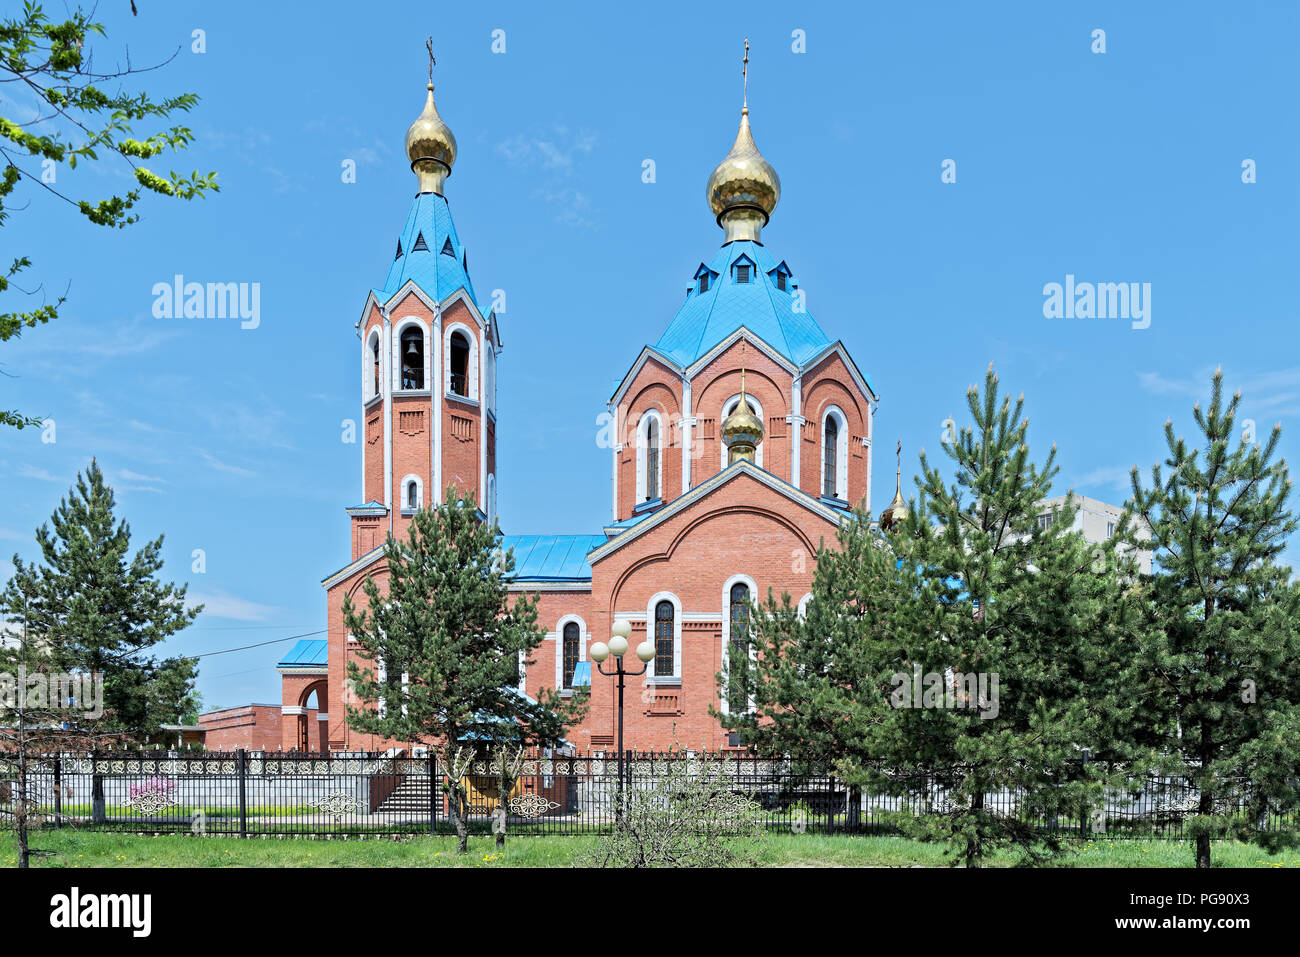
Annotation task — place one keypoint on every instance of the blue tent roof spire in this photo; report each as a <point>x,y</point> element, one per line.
<point>429,253</point>
<point>743,285</point>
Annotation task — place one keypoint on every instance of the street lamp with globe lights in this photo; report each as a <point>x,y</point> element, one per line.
<point>617,647</point>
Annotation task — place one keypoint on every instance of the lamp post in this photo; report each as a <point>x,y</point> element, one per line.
<point>618,648</point>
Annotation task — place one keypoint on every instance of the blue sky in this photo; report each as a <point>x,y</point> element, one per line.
<point>1116,167</point>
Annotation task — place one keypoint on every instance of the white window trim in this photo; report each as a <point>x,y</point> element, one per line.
<point>397,350</point>
<point>642,446</point>
<point>655,599</point>
<point>419,491</point>
<point>726,629</point>
<point>803,606</point>
<point>559,646</point>
<point>727,408</point>
<point>368,357</point>
<point>490,379</point>
<point>491,503</point>
<point>471,366</point>
<point>841,454</point>
<point>381,677</point>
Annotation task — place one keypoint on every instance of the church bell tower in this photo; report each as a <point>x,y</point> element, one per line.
<point>428,361</point>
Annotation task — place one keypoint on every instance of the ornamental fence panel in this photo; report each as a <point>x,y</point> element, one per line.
<point>354,794</point>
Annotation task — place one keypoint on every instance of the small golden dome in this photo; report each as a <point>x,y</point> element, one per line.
<point>742,424</point>
<point>897,511</point>
<point>895,514</point>
<point>744,187</point>
<point>431,147</point>
<point>742,430</point>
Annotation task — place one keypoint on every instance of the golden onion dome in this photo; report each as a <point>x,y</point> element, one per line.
<point>431,147</point>
<point>895,512</point>
<point>743,189</point>
<point>742,430</point>
<point>742,424</point>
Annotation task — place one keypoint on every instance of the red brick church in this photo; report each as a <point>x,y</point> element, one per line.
<point>740,438</point>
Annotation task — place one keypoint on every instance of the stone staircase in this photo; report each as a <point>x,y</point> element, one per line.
<point>409,798</point>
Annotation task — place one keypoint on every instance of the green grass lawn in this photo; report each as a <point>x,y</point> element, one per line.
<point>73,848</point>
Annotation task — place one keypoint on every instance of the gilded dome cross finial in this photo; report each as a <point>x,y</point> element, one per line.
<point>742,430</point>
<point>430,145</point>
<point>896,512</point>
<point>743,189</point>
<point>742,370</point>
<point>744,74</point>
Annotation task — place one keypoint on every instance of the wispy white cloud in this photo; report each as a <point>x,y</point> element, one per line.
<point>260,424</point>
<point>224,605</point>
<point>556,152</point>
<point>221,466</point>
<point>31,471</point>
<point>130,476</point>
<point>1272,393</point>
<point>1106,476</point>
<point>555,149</point>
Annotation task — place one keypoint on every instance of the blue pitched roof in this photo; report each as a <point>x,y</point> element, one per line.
<point>705,319</point>
<point>309,652</point>
<point>552,557</point>
<point>439,274</point>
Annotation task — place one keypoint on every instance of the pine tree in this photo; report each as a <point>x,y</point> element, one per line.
<point>1029,625</point>
<point>98,609</point>
<point>24,726</point>
<point>968,651</point>
<point>1223,664</point>
<point>811,685</point>
<point>443,647</point>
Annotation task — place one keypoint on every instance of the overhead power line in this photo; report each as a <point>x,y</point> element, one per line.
<point>273,641</point>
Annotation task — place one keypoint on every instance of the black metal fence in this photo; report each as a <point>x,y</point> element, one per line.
<point>344,794</point>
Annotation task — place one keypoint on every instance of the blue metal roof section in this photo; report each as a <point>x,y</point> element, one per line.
<point>438,273</point>
<point>706,318</point>
<point>307,653</point>
<point>552,557</point>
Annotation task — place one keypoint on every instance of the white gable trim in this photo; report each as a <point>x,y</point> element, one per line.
<point>699,364</point>
<point>743,467</point>
<point>350,569</point>
<point>647,353</point>
<point>837,347</point>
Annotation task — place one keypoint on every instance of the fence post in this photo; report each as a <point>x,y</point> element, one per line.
<point>96,790</point>
<point>830,806</point>
<point>433,793</point>
<point>1083,813</point>
<point>58,789</point>
<point>242,769</point>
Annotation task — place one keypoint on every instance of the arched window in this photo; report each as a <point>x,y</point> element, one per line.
<point>835,455</point>
<point>652,460</point>
<point>374,364</point>
<point>571,644</point>
<point>665,640</point>
<point>737,698</point>
<point>410,493</point>
<point>459,364</point>
<point>412,352</point>
<point>830,466</point>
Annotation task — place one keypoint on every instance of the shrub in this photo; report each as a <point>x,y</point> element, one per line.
<point>690,815</point>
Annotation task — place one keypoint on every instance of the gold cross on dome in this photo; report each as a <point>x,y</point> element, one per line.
<point>428,45</point>
<point>744,72</point>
